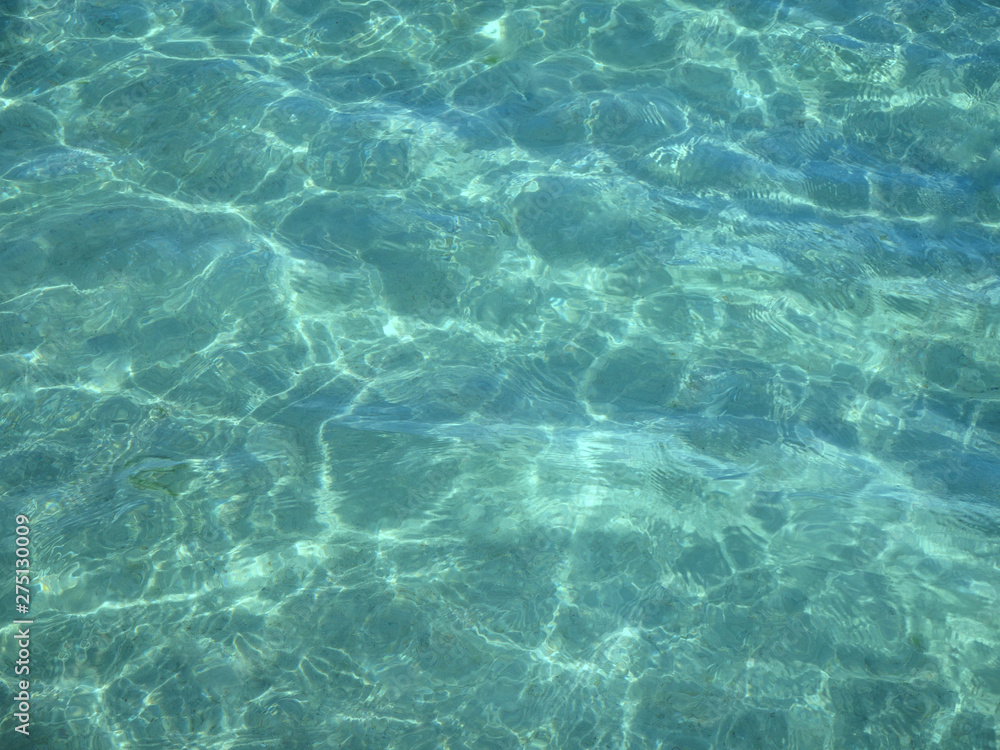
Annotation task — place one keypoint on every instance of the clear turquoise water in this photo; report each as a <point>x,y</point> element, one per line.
<point>580,375</point>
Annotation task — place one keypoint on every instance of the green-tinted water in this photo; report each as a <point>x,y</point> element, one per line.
<point>572,376</point>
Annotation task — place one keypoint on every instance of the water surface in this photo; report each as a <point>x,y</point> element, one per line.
<point>504,375</point>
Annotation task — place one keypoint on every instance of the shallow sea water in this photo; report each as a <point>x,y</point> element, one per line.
<point>480,376</point>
